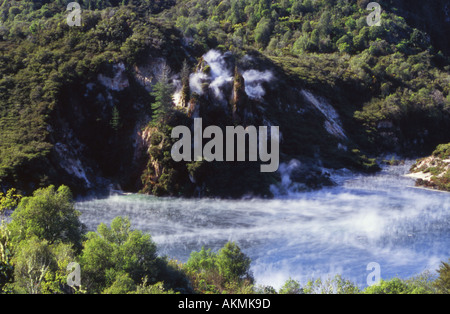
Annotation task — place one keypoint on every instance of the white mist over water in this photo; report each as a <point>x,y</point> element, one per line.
<point>380,218</point>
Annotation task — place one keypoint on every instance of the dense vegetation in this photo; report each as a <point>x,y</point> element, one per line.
<point>387,78</point>
<point>44,65</point>
<point>45,235</point>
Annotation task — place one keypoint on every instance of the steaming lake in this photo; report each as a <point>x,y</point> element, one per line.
<point>380,218</point>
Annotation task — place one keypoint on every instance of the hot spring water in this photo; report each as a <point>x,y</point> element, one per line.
<point>381,218</point>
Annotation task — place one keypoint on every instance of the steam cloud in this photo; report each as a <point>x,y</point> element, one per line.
<point>253,82</point>
<point>221,75</point>
<point>196,81</point>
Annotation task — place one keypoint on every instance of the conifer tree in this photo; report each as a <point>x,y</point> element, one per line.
<point>162,91</point>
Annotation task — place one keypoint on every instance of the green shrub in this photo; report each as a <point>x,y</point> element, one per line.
<point>117,253</point>
<point>228,270</point>
<point>49,215</point>
<point>394,286</point>
<point>442,151</point>
<point>442,283</point>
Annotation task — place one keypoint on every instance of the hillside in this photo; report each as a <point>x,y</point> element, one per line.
<point>76,102</point>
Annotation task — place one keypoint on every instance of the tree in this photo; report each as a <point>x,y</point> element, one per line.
<point>233,264</point>
<point>314,40</point>
<point>237,12</point>
<point>227,270</point>
<point>263,9</point>
<point>55,280</point>
<point>201,261</point>
<point>443,281</point>
<point>49,215</point>
<point>291,286</point>
<point>118,250</point>
<point>394,286</point>
<point>334,285</point>
<point>9,200</point>
<point>122,284</point>
<point>344,43</point>
<point>185,71</point>
<point>40,267</point>
<point>185,88</point>
<point>325,23</point>
<point>263,31</point>
<point>32,261</point>
<point>6,267</point>
<point>157,288</point>
<point>301,44</point>
<point>162,91</point>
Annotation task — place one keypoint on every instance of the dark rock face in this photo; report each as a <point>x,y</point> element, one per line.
<point>312,176</point>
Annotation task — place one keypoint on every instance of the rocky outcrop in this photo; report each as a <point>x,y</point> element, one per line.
<point>433,171</point>
<point>118,82</point>
<point>298,177</point>
<point>239,101</point>
<point>147,74</point>
<point>226,90</point>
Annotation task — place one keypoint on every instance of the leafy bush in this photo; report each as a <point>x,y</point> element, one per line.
<point>114,254</point>
<point>291,286</point>
<point>394,286</point>
<point>48,215</point>
<point>442,151</point>
<point>40,267</point>
<point>228,270</point>
<point>442,283</point>
<point>335,285</point>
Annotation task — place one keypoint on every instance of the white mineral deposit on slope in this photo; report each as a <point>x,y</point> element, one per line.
<point>333,123</point>
<point>71,163</point>
<point>429,162</point>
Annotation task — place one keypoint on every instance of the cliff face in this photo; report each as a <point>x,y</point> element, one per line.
<point>97,134</point>
<point>227,90</point>
<point>102,138</point>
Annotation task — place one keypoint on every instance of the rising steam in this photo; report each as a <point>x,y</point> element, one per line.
<point>220,75</point>
<point>253,82</point>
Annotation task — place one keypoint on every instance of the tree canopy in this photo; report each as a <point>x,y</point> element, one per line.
<point>49,215</point>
